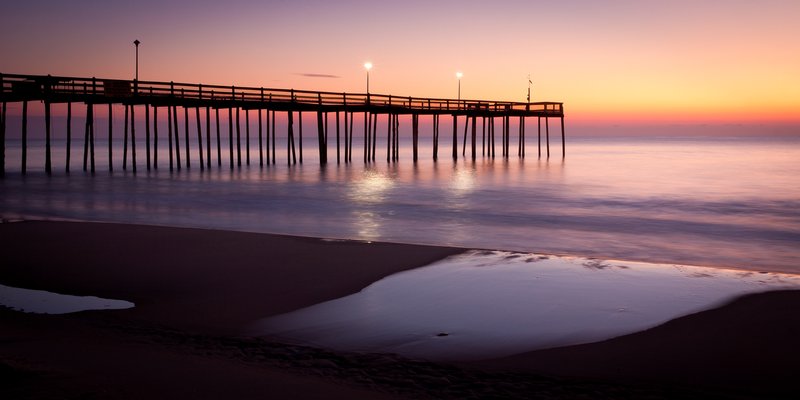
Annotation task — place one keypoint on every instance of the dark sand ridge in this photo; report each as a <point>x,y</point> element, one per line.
<point>195,279</point>
<point>195,290</point>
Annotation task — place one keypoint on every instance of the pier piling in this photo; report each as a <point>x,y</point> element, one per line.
<point>208,137</point>
<point>3,111</point>
<point>133,139</point>
<point>338,159</point>
<point>186,136</point>
<point>69,131</point>
<point>366,135</point>
<point>199,138</point>
<point>48,167</point>
<point>435,138</point>
<point>177,137</point>
<point>247,135</point>
<point>260,140</point>
<point>230,135</point>
<point>455,137</point>
<point>547,132</point>
<point>147,133</point>
<point>155,137</point>
<point>563,140</point>
<point>539,122</point>
<point>474,132</point>
<point>169,136</point>
<point>219,142</point>
<point>25,138</point>
<point>374,136</point>
<point>124,141</point>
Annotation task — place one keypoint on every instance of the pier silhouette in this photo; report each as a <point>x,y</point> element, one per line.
<point>189,98</point>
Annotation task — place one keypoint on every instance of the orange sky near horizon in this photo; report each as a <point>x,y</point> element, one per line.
<point>610,62</point>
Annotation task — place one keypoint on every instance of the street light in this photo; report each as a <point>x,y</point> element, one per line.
<point>459,75</point>
<point>136,43</point>
<point>368,66</point>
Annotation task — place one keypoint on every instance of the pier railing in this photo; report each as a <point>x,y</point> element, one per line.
<point>101,90</point>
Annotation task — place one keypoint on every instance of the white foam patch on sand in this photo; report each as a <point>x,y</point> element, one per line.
<point>44,302</point>
<point>490,304</point>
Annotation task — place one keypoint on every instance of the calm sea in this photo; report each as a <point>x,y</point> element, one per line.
<point>730,202</point>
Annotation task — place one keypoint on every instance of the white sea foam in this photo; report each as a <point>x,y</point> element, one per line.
<point>44,302</point>
<point>488,304</point>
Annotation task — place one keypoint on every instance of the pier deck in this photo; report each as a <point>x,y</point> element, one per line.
<point>171,95</point>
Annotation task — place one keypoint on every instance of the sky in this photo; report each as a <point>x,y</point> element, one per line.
<point>610,62</point>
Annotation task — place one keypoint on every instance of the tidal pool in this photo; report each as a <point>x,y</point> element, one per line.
<point>485,304</point>
<point>44,302</point>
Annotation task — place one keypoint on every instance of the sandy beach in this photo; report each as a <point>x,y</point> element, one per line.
<point>196,290</point>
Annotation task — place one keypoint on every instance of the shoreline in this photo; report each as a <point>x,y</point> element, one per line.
<point>193,287</point>
<point>777,270</point>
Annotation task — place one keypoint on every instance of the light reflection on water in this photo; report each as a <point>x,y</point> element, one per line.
<point>707,202</point>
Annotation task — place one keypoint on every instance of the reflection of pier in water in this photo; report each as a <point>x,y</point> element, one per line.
<point>152,96</point>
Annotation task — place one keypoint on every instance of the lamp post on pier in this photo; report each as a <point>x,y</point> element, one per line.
<point>458,76</point>
<point>136,76</point>
<point>368,66</point>
<point>530,82</point>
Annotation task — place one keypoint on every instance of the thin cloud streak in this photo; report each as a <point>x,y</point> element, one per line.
<point>312,75</point>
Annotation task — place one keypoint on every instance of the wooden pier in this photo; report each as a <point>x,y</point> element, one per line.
<point>188,100</point>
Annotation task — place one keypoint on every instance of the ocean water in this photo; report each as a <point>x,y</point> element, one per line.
<point>724,202</point>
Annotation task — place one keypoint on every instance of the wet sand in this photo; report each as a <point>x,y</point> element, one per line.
<point>196,290</point>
